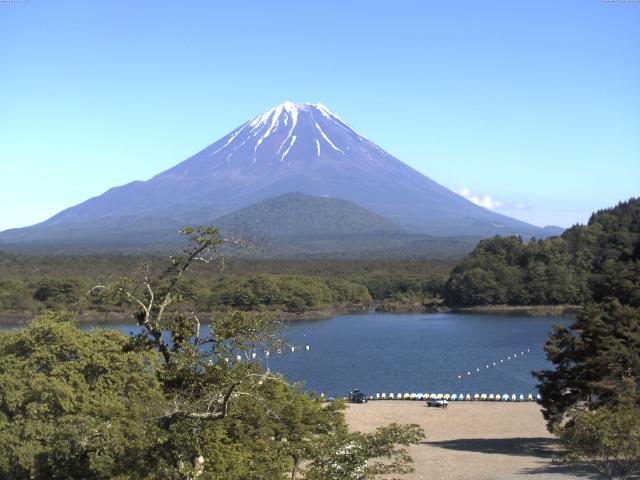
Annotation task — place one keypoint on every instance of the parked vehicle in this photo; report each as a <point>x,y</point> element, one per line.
<point>356,396</point>
<point>437,402</point>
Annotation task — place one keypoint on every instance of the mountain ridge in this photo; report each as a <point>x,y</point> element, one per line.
<point>293,147</point>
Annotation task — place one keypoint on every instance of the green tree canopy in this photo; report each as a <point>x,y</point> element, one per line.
<point>75,404</point>
<point>172,402</point>
<point>586,263</point>
<point>597,362</point>
<point>608,440</point>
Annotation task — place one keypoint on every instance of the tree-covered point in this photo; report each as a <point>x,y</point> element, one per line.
<point>33,284</point>
<point>290,293</point>
<point>586,263</point>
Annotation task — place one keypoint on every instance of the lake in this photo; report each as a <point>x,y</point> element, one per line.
<point>418,353</point>
<point>414,353</point>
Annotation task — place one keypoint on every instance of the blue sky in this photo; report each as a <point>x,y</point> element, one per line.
<point>532,107</point>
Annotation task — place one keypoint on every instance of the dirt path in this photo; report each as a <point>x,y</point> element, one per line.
<point>471,440</point>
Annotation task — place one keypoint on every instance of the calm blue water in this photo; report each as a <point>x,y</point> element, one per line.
<point>418,353</point>
<point>414,353</point>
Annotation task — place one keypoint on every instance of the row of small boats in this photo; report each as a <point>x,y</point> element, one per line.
<point>491,397</point>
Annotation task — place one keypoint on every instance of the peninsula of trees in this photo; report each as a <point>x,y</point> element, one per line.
<point>585,264</point>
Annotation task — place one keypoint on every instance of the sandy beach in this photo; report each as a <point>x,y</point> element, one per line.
<point>471,440</point>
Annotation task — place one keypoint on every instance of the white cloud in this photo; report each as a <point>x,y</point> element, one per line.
<point>485,201</point>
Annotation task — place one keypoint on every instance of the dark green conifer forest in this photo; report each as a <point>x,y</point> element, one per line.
<point>586,263</point>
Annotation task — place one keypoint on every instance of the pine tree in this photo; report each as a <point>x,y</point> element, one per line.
<point>597,362</point>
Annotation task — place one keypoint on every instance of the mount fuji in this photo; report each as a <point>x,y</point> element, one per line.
<point>294,147</point>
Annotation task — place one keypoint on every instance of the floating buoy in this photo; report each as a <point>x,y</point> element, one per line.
<point>459,376</point>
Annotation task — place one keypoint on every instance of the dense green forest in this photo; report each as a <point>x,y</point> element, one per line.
<point>586,263</point>
<point>33,284</point>
<point>182,406</point>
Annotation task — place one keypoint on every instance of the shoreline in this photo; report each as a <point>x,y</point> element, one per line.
<point>89,317</point>
<point>527,310</point>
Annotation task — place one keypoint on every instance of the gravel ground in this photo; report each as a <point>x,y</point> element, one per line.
<point>472,440</point>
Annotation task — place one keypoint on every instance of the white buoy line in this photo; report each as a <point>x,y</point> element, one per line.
<point>267,353</point>
<point>494,364</point>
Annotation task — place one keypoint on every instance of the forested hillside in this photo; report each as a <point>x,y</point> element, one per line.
<point>33,284</point>
<point>299,215</point>
<point>586,263</point>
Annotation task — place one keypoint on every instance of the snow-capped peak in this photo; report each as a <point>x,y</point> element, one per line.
<point>285,117</point>
<point>291,109</point>
<point>289,132</point>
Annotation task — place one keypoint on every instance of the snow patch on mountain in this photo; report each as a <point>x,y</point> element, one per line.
<point>327,139</point>
<point>293,140</point>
